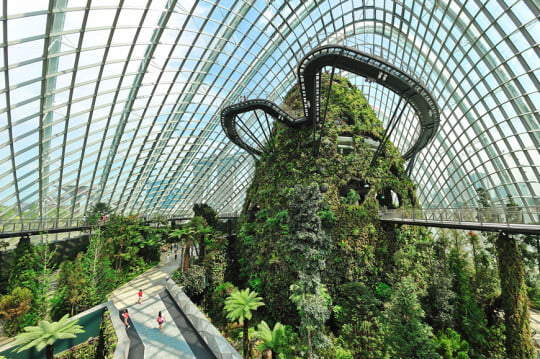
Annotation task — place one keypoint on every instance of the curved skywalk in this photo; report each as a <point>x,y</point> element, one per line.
<point>309,71</point>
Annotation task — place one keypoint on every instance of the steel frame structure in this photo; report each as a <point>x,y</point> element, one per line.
<point>118,101</point>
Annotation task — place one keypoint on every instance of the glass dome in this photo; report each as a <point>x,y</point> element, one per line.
<point>119,101</point>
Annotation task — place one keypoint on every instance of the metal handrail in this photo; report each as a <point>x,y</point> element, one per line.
<point>497,215</point>
<point>40,224</point>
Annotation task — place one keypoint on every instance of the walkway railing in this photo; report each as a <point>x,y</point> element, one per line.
<point>57,225</point>
<point>490,217</point>
<point>41,224</point>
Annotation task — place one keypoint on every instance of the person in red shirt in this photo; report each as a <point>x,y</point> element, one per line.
<point>140,293</point>
<point>126,317</point>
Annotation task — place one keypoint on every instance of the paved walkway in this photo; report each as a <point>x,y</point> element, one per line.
<point>535,326</point>
<point>170,343</point>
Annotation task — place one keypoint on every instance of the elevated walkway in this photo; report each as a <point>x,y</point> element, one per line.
<point>412,91</point>
<point>179,338</point>
<point>495,219</point>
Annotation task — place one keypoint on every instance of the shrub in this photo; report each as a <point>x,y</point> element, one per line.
<point>193,280</point>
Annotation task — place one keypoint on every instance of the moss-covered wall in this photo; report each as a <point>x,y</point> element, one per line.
<point>361,245</point>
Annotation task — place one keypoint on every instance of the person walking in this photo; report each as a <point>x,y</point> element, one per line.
<point>160,320</point>
<point>126,317</point>
<point>140,293</point>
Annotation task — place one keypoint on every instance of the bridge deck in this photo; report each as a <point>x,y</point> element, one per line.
<point>507,219</point>
<point>478,226</point>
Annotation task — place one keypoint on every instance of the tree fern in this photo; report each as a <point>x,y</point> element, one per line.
<point>45,334</point>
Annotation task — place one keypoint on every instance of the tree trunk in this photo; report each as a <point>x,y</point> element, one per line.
<point>49,351</point>
<point>310,349</point>
<point>246,339</point>
<point>519,340</point>
<point>185,266</point>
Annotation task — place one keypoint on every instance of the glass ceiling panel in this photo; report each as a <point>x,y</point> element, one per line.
<point>121,105</point>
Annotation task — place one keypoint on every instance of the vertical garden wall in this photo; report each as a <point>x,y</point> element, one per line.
<point>311,244</point>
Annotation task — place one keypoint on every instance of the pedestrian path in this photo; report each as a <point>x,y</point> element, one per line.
<point>156,344</point>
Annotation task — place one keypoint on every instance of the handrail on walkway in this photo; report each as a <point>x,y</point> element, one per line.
<point>10,228</point>
<point>501,214</point>
<point>40,224</point>
<point>516,219</point>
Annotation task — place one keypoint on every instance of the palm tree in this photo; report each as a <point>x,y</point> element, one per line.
<point>45,334</point>
<point>203,232</point>
<point>239,305</point>
<point>273,340</point>
<point>187,233</point>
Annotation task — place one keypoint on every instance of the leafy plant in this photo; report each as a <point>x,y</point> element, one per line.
<point>45,334</point>
<point>450,345</point>
<point>193,280</point>
<point>239,306</point>
<point>13,306</point>
<point>274,340</point>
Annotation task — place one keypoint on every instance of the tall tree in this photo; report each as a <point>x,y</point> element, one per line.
<point>407,335</point>
<point>208,213</point>
<point>239,306</point>
<point>186,234</point>
<point>72,287</point>
<point>97,211</point>
<point>99,274</point>
<point>470,319</point>
<point>308,244</point>
<point>41,279</point>
<point>21,263</point>
<point>519,343</point>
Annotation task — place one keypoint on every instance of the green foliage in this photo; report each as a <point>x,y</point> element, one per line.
<point>450,345</point>
<point>121,250</point>
<point>534,295</point>
<point>239,307</point>
<point>328,218</point>
<point>291,243</point>
<point>13,306</point>
<point>470,319</point>
<point>306,252</point>
<point>100,347</point>
<point>45,334</point>
<point>356,315</point>
<point>21,263</point>
<point>519,342</point>
<point>240,304</point>
<point>352,198</point>
<point>208,213</point>
<point>407,336</point>
<point>193,280</point>
<point>275,340</point>
<point>97,211</point>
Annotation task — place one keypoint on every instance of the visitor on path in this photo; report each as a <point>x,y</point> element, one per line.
<point>126,317</point>
<point>160,320</point>
<point>175,255</point>
<point>168,258</point>
<point>140,293</point>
